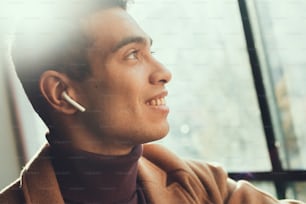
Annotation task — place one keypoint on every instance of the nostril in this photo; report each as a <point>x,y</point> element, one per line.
<point>161,77</point>
<point>164,81</point>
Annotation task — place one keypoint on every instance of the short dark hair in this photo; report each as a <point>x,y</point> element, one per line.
<point>54,41</point>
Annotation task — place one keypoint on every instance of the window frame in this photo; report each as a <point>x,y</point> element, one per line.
<point>278,175</point>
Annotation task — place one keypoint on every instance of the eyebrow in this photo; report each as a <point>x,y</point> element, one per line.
<point>129,40</point>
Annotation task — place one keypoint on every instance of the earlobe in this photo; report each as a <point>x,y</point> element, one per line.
<point>52,84</point>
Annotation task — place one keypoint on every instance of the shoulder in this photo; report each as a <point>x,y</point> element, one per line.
<point>210,180</point>
<point>12,194</point>
<point>200,180</point>
<point>166,159</point>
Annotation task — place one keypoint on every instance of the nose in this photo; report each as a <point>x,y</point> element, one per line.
<point>160,74</point>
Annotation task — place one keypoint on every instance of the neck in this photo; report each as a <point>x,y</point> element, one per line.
<point>88,177</point>
<point>79,139</point>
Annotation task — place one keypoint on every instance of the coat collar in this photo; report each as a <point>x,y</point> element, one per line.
<point>163,175</point>
<point>39,183</point>
<point>38,180</point>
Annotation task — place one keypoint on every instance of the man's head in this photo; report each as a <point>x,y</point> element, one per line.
<point>51,37</point>
<point>107,66</point>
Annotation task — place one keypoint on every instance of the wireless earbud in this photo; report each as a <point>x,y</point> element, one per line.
<point>72,102</point>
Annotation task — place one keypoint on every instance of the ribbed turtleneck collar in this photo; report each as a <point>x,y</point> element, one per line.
<point>86,177</point>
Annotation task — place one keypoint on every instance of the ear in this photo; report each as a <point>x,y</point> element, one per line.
<point>52,84</point>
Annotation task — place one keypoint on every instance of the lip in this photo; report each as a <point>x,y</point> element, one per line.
<point>160,95</point>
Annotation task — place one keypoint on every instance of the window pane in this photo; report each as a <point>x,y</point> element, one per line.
<point>214,111</point>
<point>29,125</point>
<point>297,190</point>
<point>32,128</point>
<point>9,154</point>
<point>284,37</point>
<point>267,187</point>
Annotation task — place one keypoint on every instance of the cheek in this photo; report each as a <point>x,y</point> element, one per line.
<point>121,91</point>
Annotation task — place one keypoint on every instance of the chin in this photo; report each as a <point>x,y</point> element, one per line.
<point>158,134</point>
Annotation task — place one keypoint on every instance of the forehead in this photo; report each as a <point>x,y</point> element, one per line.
<point>108,27</point>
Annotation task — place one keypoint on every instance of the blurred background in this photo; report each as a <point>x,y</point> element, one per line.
<point>237,97</point>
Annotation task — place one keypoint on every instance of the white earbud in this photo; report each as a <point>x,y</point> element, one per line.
<point>73,102</point>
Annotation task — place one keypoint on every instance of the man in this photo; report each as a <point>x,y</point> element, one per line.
<point>93,80</point>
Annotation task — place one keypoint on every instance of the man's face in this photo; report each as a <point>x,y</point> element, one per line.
<point>125,95</point>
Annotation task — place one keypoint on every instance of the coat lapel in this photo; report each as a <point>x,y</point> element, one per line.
<point>39,182</point>
<point>165,178</point>
<point>154,183</point>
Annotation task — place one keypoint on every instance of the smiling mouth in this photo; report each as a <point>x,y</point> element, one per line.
<point>157,102</point>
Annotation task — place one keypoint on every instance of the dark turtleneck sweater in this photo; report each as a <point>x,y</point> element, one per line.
<point>86,177</point>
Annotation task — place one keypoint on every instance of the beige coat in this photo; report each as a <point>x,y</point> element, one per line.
<point>166,179</point>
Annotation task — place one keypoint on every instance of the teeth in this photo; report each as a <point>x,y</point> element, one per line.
<point>154,102</point>
<point>157,102</point>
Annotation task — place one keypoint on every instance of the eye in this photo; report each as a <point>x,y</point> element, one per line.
<point>132,55</point>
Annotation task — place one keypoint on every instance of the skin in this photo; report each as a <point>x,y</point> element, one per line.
<point>124,78</point>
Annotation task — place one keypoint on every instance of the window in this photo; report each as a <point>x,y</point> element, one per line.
<point>280,40</point>
<point>284,40</point>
